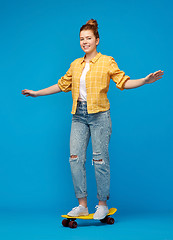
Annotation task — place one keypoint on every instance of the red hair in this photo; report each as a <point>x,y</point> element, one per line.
<point>91,25</point>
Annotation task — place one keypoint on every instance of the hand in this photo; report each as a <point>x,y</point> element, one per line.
<point>30,93</point>
<point>152,77</point>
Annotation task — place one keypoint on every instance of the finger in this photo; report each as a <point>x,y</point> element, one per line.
<point>159,78</point>
<point>160,71</point>
<point>156,72</point>
<point>159,74</point>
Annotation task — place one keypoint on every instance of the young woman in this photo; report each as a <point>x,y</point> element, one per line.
<point>88,78</point>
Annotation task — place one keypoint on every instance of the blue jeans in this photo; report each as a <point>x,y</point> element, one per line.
<point>99,127</point>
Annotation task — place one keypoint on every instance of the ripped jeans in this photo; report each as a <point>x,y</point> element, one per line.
<point>99,127</point>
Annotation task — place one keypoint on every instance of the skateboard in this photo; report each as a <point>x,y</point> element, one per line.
<point>70,221</point>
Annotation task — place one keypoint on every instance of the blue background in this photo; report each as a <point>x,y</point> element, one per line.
<point>39,40</point>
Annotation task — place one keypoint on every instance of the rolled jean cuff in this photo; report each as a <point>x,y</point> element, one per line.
<point>103,198</point>
<point>81,195</point>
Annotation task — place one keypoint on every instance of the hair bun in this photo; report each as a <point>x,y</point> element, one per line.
<point>92,22</point>
<point>91,25</point>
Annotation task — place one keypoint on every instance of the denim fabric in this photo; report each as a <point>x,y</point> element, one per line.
<point>99,127</point>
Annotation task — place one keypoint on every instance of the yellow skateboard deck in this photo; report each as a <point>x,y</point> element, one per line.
<point>70,221</point>
<point>90,216</point>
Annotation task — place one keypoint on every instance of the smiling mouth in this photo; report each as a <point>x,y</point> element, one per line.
<point>86,46</point>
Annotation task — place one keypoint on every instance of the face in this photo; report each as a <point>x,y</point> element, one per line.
<point>88,41</point>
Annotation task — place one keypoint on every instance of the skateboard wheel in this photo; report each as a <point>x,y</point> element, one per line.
<point>110,220</point>
<point>104,220</point>
<point>72,224</point>
<point>65,222</point>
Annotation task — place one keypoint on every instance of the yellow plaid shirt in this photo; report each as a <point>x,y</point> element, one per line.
<point>102,69</point>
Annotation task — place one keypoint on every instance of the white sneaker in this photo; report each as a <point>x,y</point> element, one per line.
<point>78,211</point>
<point>101,212</point>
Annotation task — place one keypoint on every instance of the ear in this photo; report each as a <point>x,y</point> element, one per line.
<point>97,41</point>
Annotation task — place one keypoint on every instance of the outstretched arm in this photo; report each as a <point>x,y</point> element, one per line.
<point>152,77</point>
<point>46,91</point>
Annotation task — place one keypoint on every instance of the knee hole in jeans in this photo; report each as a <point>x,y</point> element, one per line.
<point>97,158</point>
<point>99,161</point>
<point>73,158</point>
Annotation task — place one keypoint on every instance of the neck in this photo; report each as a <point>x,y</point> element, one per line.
<point>89,56</point>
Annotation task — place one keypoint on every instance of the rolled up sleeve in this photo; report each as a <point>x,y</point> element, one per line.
<point>117,75</point>
<point>65,82</point>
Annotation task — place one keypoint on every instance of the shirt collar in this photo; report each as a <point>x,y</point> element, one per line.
<point>93,59</point>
